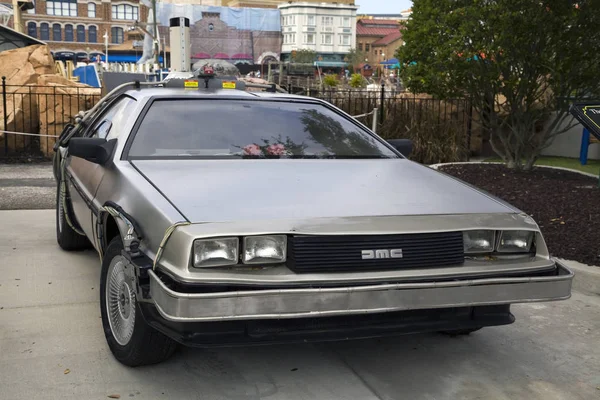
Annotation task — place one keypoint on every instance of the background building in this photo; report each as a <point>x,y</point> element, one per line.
<point>75,28</point>
<point>378,39</point>
<point>327,29</point>
<point>272,3</point>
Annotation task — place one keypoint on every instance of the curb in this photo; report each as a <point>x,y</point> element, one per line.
<point>586,280</point>
<point>436,166</point>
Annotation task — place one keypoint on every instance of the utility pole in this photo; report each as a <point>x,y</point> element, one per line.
<point>155,34</point>
<point>17,20</point>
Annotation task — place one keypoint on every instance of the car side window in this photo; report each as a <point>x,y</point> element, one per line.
<point>107,126</point>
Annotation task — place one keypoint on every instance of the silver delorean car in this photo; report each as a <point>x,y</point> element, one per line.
<point>224,216</point>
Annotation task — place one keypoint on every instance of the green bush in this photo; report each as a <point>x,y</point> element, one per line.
<point>357,81</point>
<point>331,80</point>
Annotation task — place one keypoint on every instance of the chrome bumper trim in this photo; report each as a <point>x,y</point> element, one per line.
<point>300,303</point>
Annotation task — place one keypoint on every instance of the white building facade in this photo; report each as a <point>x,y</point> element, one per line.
<point>326,28</point>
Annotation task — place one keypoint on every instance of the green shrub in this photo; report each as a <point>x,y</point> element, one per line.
<point>331,80</point>
<point>357,81</point>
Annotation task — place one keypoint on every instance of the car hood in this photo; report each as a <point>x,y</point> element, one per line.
<point>235,190</point>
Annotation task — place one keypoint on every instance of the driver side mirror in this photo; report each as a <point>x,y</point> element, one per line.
<point>97,151</point>
<point>404,146</point>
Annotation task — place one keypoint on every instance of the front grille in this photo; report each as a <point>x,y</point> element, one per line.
<point>344,253</point>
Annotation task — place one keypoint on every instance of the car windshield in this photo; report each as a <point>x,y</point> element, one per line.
<point>250,129</point>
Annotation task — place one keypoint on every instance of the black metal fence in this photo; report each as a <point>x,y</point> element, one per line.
<point>31,116</point>
<point>440,129</point>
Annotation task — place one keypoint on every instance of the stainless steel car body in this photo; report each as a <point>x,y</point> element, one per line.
<point>217,198</point>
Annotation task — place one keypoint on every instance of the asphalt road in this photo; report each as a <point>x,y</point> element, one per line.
<point>27,186</point>
<point>52,346</point>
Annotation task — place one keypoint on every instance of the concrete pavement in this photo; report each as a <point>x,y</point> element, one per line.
<point>27,186</point>
<point>52,346</point>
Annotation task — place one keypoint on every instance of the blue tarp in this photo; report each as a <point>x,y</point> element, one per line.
<point>87,75</point>
<point>251,19</point>
<point>124,58</point>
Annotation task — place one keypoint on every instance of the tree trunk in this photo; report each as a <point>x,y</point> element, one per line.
<point>530,162</point>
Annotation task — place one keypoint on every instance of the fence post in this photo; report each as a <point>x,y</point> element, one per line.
<point>375,120</point>
<point>469,129</point>
<point>5,112</point>
<point>382,100</point>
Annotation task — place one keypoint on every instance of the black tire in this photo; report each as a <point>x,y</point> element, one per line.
<point>66,237</point>
<point>146,345</point>
<point>461,332</point>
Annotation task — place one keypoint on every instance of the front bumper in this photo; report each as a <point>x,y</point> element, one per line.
<point>356,300</point>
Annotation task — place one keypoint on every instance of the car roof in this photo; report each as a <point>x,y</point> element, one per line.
<point>158,92</point>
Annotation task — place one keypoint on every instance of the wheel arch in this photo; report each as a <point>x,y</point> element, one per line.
<point>110,230</point>
<point>113,221</point>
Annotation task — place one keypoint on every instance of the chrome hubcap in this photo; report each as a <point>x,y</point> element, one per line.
<point>120,300</point>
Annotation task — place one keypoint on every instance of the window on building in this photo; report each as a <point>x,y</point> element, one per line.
<point>91,10</point>
<point>126,12</point>
<point>44,31</point>
<point>346,22</point>
<point>345,40</point>
<point>92,34</point>
<point>360,47</point>
<point>289,20</point>
<point>32,29</point>
<point>117,35</point>
<point>80,33</point>
<point>56,33</point>
<point>68,33</point>
<point>326,39</point>
<point>327,21</point>
<point>66,8</point>
<point>310,38</point>
<point>310,20</point>
<point>290,38</point>
<point>367,47</point>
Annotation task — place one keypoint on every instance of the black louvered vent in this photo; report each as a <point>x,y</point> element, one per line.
<point>345,253</point>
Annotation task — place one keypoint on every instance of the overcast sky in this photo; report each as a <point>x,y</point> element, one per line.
<point>383,6</point>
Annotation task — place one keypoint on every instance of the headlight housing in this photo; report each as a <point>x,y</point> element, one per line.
<point>499,242</point>
<point>270,249</point>
<point>479,241</point>
<point>218,252</point>
<point>515,241</point>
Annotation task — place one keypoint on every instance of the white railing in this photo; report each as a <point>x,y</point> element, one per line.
<point>374,113</point>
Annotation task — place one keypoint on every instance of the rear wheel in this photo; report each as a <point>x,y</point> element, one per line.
<point>131,340</point>
<point>67,238</point>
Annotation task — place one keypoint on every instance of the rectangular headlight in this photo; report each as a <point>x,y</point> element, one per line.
<point>216,252</point>
<point>479,241</point>
<point>515,241</point>
<point>264,249</point>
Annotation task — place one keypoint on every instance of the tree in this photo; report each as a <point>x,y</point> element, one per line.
<point>304,56</point>
<point>355,58</point>
<point>521,62</point>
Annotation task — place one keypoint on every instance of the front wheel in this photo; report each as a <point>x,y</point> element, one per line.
<point>131,340</point>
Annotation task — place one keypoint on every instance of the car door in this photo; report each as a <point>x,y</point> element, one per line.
<point>84,177</point>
